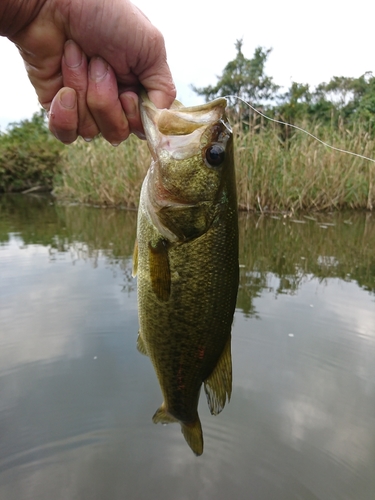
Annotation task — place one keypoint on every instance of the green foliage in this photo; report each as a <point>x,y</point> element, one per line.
<point>29,155</point>
<point>365,110</point>
<point>243,77</point>
<point>296,102</point>
<point>343,100</point>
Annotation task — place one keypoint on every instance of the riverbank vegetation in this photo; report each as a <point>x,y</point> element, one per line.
<point>279,168</point>
<point>29,156</point>
<point>97,173</point>
<point>270,175</point>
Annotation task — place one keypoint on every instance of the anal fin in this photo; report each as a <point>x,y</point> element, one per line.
<point>218,386</point>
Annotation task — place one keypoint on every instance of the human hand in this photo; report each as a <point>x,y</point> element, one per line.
<point>91,101</point>
<point>87,59</point>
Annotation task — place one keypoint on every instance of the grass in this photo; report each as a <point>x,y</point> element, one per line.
<point>303,173</point>
<point>272,175</point>
<point>97,173</point>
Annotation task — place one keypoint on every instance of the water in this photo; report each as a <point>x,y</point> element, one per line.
<point>76,398</point>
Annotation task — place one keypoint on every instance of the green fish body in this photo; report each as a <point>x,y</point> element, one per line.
<point>186,259</point>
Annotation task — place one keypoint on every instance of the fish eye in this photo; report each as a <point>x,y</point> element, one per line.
<point>214,155</point>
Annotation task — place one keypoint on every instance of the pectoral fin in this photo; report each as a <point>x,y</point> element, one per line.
<point>135,259</point>
<point>218,386</point>
<point>159,270</point>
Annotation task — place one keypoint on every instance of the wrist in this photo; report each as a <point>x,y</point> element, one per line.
<point>16,14</point>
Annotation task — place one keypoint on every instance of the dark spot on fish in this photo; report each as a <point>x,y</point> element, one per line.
<point>201,352</point>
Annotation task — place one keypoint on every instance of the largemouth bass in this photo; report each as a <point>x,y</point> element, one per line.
<point>186,259</point>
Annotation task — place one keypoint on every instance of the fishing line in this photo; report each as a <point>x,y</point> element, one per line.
<point>300,129</point>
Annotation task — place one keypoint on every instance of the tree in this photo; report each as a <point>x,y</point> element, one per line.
<point>295,103</point>
<point>352,99</point>
<point>343,100</point>
<point>365,109</point>
<point>244,78</point>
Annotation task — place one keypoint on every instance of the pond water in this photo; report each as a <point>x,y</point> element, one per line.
<point>76,397</point>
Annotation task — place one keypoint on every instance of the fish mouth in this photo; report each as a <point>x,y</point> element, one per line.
<point>185,120</point>
<point>178,130</point>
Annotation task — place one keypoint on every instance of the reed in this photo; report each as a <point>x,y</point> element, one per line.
<point>273,174</point>
<point>301,173</point>
<point>99,174</point>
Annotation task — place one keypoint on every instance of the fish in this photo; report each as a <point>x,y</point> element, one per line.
<point>186,259</point>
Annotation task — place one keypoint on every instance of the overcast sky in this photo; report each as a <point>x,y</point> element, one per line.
<point>311,43</point>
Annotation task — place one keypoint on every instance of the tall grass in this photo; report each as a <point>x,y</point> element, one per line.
<point>98,173</point>
<point>272,174</point>
<point>302,173</point>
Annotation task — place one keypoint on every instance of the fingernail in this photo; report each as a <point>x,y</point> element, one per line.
<point>115,144</point>
<point>68,98</point>
<point>72,54</point>
<point>98,68</point>
<point>87,139</point>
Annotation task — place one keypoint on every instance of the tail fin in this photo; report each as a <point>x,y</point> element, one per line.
<point>193,436</point>
<point>192,432</point>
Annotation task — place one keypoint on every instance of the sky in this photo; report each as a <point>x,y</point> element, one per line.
<point>311,42</point>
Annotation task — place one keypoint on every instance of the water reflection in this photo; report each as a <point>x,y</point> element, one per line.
<point>76,397</point>
<point>325,246</point>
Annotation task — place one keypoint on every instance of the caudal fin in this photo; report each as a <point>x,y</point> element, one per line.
<point>192,432</point>
<point>193,436</point>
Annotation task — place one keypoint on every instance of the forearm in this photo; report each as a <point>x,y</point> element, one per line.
<point>16,14</point>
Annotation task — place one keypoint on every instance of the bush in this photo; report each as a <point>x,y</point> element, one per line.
<point>29,155</point>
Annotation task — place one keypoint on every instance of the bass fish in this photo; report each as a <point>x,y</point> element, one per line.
<point>186,259</point>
